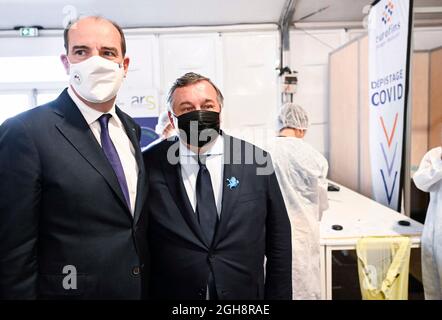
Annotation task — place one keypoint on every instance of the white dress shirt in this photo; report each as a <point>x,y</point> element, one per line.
<point>215,165</point>
<point>121,141</point>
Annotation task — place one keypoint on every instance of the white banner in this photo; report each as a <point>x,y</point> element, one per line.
<point>388,30</point>
<point>142,105</point>
<point>138,103</point>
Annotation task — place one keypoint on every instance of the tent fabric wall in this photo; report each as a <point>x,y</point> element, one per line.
<point>420,84</point>
<point>344,114</point>
<point>435,112</point>
<point>309,51</point>
<point>365,166</point>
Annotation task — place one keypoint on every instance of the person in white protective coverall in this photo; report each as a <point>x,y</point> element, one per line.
<point>301,171</point>
<point>164,127</point>
<point>428,178</point>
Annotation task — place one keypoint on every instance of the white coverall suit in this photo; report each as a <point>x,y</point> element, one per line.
<point>428,178</point>
<point>301,171</point>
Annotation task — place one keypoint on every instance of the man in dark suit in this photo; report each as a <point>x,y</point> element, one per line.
<point>72,183</point>
<point>215,208</point>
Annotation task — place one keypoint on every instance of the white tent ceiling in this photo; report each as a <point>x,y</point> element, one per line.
<point>51,14</point>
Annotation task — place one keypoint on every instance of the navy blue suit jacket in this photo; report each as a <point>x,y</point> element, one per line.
<point>253,224</point>
<point>61,204</point>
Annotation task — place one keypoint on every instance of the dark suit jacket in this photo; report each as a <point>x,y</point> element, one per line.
<point>253,224</point>
<point>61,204</point>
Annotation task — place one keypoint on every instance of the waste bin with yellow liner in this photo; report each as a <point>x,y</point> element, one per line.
<point>383,266</point>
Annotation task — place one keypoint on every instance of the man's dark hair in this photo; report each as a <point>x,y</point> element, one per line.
<point>68,27</point>
<point>187,80</point>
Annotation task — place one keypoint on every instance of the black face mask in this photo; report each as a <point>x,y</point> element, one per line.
<point>199,127</point>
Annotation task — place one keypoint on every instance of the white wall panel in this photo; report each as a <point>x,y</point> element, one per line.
<point>25,47</point>
<point>143,67</point>
<point>317,136</point>
<point>312,47</point>
<point>250,83</point>
<point>312,91</point>
<point>198,53</point>
<point>309,56</point>
<point>427,38</point>
<point>139,94</point>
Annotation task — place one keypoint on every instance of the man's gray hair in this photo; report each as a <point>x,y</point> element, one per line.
<point>187,80</point>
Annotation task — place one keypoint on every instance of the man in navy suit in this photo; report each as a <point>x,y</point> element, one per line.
<point>218,226</point>
<point>72,183</point>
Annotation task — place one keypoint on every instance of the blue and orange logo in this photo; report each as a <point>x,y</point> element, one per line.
<point>388,12</point>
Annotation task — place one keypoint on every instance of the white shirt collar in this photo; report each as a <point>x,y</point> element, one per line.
<point>216,149</point>
<point>91,115</point>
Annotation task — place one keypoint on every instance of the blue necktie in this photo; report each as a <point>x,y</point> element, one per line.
<point>112,155</point>
<point>207,213</point>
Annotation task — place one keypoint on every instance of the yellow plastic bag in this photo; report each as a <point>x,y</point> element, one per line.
<point>383,265</point>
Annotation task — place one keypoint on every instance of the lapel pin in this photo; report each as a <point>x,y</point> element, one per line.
<point>232,183</point>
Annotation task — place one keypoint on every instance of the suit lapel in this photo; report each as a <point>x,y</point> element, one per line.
<point>132,134</point>
<point>75,129</point>
<point>178,191</point>
<point>232,168</point>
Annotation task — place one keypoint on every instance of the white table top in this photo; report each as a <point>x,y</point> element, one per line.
<point>360,216</point>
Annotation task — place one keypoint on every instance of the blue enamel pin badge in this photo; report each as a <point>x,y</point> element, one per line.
<point>232,183</point>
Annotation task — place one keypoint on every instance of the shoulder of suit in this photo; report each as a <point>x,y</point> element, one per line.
<point>244,144</point>
<point>34,117</point>
<point>126,117</point>
<point>44,111</point>
<point>159,149</point>
<point>242,152</point>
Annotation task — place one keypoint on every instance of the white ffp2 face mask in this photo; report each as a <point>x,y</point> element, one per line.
<point>96,79</point>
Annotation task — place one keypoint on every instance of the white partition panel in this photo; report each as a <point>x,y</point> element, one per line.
<point>309,57</point>
<point>139,94</point>
<point>183,53</point>
<point>250,84</point>
<point>15,46</point>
